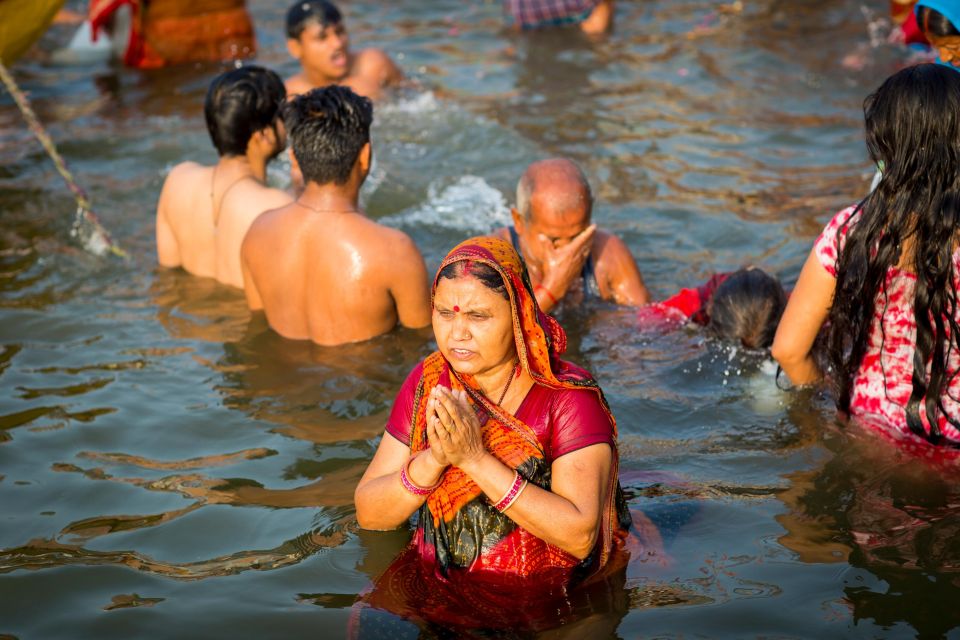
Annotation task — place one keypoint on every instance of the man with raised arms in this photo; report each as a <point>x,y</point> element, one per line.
<point>318,267</point>
<point>204,212</point>
<point>317,37</point>
<point>569,258</point>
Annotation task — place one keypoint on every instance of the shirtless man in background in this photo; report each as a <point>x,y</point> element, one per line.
<point>317,37</point>
<point>318,267</point>
<point>569,258</point>
<point>204,212</point>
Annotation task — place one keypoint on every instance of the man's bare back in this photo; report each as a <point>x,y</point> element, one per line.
<point>333,277</point>
<point>204,212</point>
<point>201,230</point>
<point>185,229</point>
<point>319,268</point>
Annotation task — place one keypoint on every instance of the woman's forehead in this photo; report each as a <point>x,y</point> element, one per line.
<point>467,289</point>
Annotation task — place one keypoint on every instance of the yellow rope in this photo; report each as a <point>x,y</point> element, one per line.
<point>95,238</point>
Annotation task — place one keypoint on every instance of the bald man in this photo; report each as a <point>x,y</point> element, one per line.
<point>569,258</point>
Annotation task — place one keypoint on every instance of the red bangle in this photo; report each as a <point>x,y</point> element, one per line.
<point>548,292</point>
<point>413,487</point>
<point>519,484</point>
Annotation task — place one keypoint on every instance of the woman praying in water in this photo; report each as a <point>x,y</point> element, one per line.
<point>508,452</point>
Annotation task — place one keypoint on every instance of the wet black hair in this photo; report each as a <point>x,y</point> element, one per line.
<point>302,13</point>
<point>935,23</point>
<point>487,275</point>
<point>328,128</point>
<point>239,103</point>
<point>746,308</point>
<point>912,219</point>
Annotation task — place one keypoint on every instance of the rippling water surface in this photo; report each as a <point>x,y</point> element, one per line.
<point>168,467</point>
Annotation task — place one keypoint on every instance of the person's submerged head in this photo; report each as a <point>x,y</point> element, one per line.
<point>553,200</point>
<point>330,132</point>
<point>241,103</point>
<point>472,317</point>
<point>939,20</point>
<point>746,308</point>
<point>913,128</point>
<point>317,37</point>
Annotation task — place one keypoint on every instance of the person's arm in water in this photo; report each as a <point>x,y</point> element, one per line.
<point>806,311</point>
<point>382,501</point>
<point>623,279</point>
<point>168,249</point>
<point>408,286</point>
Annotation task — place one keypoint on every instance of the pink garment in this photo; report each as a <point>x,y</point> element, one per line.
<point>882,384</point>
<point>564,420</point>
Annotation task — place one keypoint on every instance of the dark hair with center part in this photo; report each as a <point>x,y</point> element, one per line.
<point>935,23</point>
<point>746,308</point>
<point>328,127</point>
<point>301,14</point>
<point>239,103</point>
<point>911,221</point>
<point>487,275</point>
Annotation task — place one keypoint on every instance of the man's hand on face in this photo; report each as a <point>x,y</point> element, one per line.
<point>563,265</point>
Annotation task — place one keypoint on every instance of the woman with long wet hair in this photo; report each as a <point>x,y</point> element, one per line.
<point>882,278</point>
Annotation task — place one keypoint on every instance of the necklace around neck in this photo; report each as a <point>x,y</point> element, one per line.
<point>316,210</point>
<point>506,387</point>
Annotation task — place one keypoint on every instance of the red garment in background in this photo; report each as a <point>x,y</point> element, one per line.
<point>165,32</point>
<point>687,305</point>
<point>912,33</point>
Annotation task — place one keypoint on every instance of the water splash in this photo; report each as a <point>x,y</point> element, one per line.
<point>469,204</point>
<point>425,102</point>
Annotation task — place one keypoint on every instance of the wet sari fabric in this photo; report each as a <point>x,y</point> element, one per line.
<point>461,540</point>
<point>166,32</point>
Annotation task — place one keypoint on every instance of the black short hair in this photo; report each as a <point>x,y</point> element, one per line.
<point>746,308</point>
<point>328,127</point>
<point>936,23</point>
<point>302,13</point>
<point>239,103</point>
<point>487,275</point>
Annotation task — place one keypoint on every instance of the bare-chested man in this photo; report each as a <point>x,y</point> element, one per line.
<point>569,258</point>
<point>318,267</point>
<point>317,37</point>
<point>204,212</point>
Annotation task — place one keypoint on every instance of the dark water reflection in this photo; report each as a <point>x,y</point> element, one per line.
<point>168,467</point>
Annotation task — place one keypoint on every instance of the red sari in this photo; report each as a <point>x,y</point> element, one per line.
<point>468,564</point>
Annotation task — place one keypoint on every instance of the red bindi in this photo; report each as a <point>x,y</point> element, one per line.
<point>456,309</point>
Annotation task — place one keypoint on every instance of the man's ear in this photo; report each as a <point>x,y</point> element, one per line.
<point>294,48</point>
<point>366,155</point>
<point>517,219</point>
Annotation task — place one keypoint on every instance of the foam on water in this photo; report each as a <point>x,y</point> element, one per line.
<point>468,204</point>
<point>425,102</point>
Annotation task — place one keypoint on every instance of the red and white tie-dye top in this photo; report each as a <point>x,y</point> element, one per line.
<point>882,385</point>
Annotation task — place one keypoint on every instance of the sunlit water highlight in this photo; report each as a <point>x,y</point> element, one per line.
<point>168,467</point>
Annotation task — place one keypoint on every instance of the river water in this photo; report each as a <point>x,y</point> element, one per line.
<point>170,468</point>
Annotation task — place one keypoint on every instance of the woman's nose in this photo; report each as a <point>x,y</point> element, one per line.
<point>460,329</point>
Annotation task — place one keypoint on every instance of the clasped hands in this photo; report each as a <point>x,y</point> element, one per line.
<point>453,430</point>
